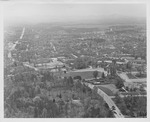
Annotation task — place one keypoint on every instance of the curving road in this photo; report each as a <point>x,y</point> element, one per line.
<point>108,100</point>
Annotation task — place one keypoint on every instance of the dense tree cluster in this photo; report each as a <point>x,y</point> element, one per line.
<point>31,95</point>
<point>84,62</point>
<point>95,74</point>
<point>132,106</point>
<point>119,83</point>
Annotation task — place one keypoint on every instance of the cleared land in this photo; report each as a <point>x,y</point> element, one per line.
<point>106,90</point>
<point>111,87</point>
<point>130,76</point>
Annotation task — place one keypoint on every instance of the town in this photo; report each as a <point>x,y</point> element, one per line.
<point>69,71</point>
<point>71,59</point>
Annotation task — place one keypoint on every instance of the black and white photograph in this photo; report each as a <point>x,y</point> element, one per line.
<point>74,59</point>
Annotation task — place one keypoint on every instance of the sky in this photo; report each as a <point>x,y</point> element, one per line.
<point>40,13</point>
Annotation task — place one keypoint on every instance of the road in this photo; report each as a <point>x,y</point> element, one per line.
<point>108,100</point>
<point>74,56</point>
<point>22,34</point>
<point>54,48</point>
<point>14,45</point>
<point>32,67</point>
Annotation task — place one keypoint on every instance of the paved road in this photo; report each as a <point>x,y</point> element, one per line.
<point>32,67</point>
<point>108,100</point>
<point>14,45</point>
<point>74,56</point>
<point>54,48</point>
<point>22,34</point>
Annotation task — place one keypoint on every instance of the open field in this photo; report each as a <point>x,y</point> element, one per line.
<point>111,87</point>
<point>106,90</point>
<point>130,76</point>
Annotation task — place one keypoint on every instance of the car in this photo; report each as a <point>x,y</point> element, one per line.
<point>113,108</point>
<point>114,112</point>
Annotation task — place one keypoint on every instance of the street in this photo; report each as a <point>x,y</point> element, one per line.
<point>108,100</point>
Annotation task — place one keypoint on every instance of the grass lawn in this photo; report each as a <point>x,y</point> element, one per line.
<point>84,74</point>
<point>130,76</point>
<point>141,76</point>
<point>106,90</point>
<point>111,87</point>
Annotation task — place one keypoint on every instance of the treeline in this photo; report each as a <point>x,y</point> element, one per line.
<point>84,62</point>
<point>31,96</point>
<point>132,106</point>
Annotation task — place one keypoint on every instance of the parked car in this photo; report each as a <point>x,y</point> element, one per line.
<point>114,112</point>
<point>113,108</point>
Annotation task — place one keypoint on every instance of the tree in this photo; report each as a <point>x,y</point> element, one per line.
<point>83,80</point>
<point>127,88</point>
<point>113,69</point>
<point>78,77</point>
<point>142,88</point>
<point>36,113</point>
<point>103,75</point>
<point>60,96</point>
<point>65,80</point>
<point>106,105</point>
<point>135,106</point>
<point>135,57</point>
<point>70,81</point>
<point>37,90</point>
<point>129,66</point>
<point>119,84</point>
<point>110,113</point>
<point>55,110</point>
<point>94,108</point>
<point>95,74</point>
<point>66,109</point>
<point>44,113</point>
<point>118,99</point>
<point>140,70</point>
<point>79,63</point>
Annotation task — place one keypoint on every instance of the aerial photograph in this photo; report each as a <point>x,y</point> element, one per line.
<point>75,60</point>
